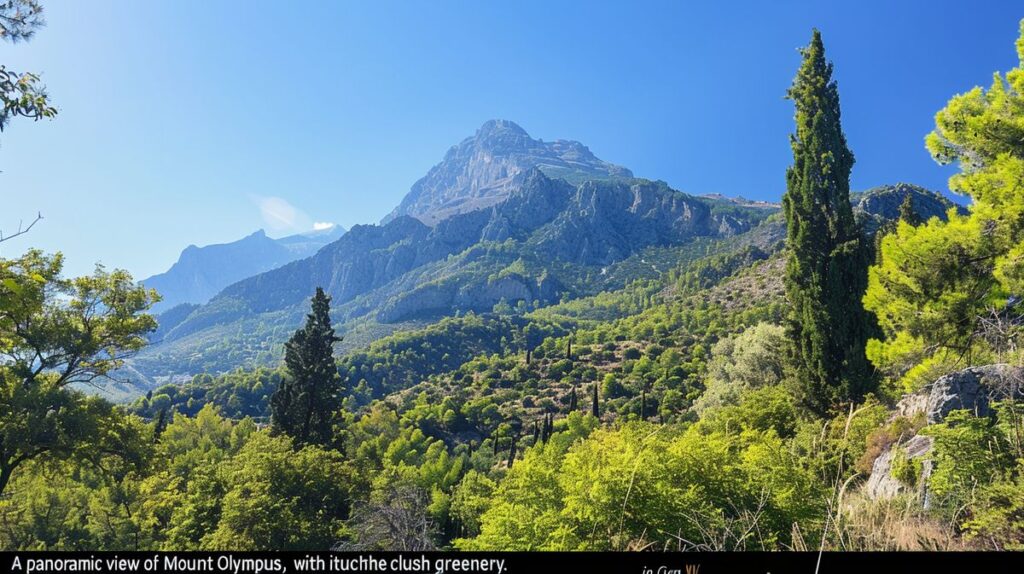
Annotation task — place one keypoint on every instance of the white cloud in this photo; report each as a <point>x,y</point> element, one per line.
<point>281,216</point>
<point>321,225</point>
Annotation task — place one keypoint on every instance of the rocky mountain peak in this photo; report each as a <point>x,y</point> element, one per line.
<point>498,128</point>
<point>481,171</point>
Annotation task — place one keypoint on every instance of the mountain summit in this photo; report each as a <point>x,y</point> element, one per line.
<point>201,272</point>
<point>479,171</point>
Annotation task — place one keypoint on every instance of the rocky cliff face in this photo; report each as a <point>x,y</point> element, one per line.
<point>479,172</point>
<point>882,203</point>
<point>405,268</point>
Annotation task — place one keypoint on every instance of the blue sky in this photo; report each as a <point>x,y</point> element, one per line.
<point>179,119</point>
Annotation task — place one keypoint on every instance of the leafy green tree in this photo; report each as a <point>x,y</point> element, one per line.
<point>937,284</point>
<point>280,499</point>
<point>470,499</point>
<point>55,333</point>
<point>825,273</point>
<point>308,402</point>
<point>752,359</point>
<point>21,94</point>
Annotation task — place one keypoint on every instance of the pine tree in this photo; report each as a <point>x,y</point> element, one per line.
<point>307,403</point>
<point>826,273</point>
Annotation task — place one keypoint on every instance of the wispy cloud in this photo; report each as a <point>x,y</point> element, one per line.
<point>280,216</point>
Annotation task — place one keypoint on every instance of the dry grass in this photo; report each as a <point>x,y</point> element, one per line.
<point>898,524</point>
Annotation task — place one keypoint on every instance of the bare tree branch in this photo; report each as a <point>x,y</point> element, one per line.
<point>39,217</point>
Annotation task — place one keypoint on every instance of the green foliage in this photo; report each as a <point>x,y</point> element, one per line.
<point>237,394</point>
<point>825,273</point>
<point>751,359</point>
<point>307,402</point>
<point>905,469</point>
<point>969,451</point>
<point>279,499</point>
<point>643,485</point>
<point>55,333</point>
<point>937,284</point>
<point>406,359</point>
<point>21,93</point>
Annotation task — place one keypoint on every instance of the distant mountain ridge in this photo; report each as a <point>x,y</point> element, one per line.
<point>594,223</point>
<point>201,272</point>
<point>532,240</point>
<point>884,201</point>
<point>479,172</point>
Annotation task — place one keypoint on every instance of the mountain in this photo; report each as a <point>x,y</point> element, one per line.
<point>516,237</point>
<point>405,264</point>
<point>548,239</point>
<point>201,272</point>
<point>883,203</point>
<point>479,172</point>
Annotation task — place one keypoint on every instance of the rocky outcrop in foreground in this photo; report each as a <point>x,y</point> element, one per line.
<point>973,389</point>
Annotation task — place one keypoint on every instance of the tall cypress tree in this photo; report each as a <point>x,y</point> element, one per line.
<point>826,273</point>
<point>307,403</point>
<point>907,212</point>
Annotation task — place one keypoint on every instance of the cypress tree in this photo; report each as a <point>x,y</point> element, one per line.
<point>512,451</point>
<point>572,399</point>
<point>595,408</point>
<point>826,273</point>
<point>907,212</point>
<point>643,404</point>
<point>307,403</point>
<point>160,426</point>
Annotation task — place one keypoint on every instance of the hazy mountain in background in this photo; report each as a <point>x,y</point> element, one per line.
<point>479,172</point>
<point>201,272</point>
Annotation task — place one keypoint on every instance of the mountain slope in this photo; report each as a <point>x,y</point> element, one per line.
<point>479,172</point>
<point>201,272</point>
<point>547,240</point>
<point>883,203</point>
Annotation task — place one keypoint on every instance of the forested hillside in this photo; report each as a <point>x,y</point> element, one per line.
<point>584,363</point>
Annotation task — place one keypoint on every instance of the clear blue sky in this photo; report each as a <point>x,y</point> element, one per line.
<point>179,118</point>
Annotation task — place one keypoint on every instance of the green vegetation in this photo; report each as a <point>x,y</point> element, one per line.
<point>21,94</point>
<point>307,402</point>
<point>56,333</point>
<point>825,273</point>
<point>721,400</point>
<point>943,291</point>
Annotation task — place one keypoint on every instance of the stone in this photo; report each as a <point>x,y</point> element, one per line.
<point>973,389</point>
<point>882,485</point>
